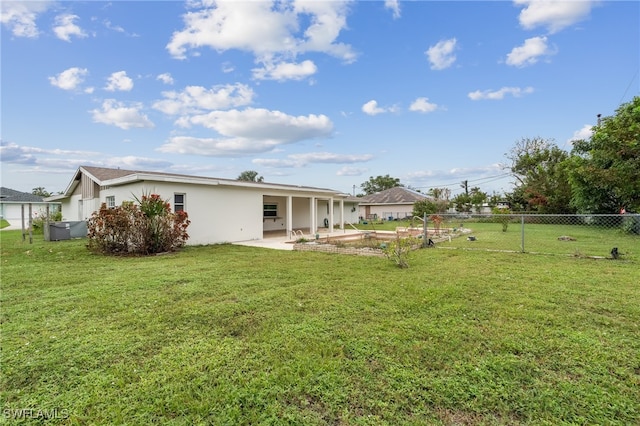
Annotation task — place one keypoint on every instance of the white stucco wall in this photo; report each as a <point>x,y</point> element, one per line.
<point>220,213</point>
<point>349,215</point>
<point>395,210</point>
<point>12,212</point>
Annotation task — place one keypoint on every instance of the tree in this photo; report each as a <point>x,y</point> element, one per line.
<point>438,204</point>
<point>250,176</point>
<point>605,169</point>
<point>462,202</point>
<point>477,198</point>
<point>470,198</point>
<point>379,183</point>
<point>40,191</point>
<point>426,206</point>
<point>540,168</point>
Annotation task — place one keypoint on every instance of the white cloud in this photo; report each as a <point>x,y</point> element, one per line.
<point>118,81</point>
<point>227,67</point>
<point>529,52</point>
<point>196,99</point>
<point>394,5</point>
<point>485,174</point>
<point>20,154</point>
<point>423,105</point>
<point>263,124</point>
<point>214,147</point>
<point>248,131</point>
<point>165,78</point>
<point>555,15</point>
<point>20,16</point>
<point>583,134</point>
<point>35,160</point>
<point>351,171</point>
<point>117,114</point>
<point>441,55</point>
<point>516,92</point>
<point>372,108</point>
<point>65,27</point>
<point>271,30</point>
<point>285,71</point>
<point>69,79</point>
<point>116,28</point>
<point>301,160</point>
<point>250,26</point>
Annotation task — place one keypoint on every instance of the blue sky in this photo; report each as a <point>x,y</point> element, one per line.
<point>323,94</point>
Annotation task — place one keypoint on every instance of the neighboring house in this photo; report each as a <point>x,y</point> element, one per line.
<point>393,203</point>
<point>220,210</point>
<point>13,203</point>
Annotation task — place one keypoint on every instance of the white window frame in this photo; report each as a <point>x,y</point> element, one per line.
<point>271,208</point>
<point>111,201</point>
<point>182,205</point>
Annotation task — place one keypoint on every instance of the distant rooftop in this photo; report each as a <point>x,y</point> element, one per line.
<point>397,195</point>
<point>12,196</point>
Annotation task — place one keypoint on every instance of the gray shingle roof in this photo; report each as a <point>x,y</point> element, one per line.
<point>13,196</point>
<point>397,195</point>
<point>104,174</point>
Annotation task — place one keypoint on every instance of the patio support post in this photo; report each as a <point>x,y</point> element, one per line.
<point>342,214</point>
<point>289,215</point>
<point>330,214</point>
<point>313,228</point>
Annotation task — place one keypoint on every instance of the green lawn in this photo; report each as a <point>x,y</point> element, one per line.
<point>538,238</point>
<point>238,335</point>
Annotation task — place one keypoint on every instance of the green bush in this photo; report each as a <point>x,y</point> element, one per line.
<point>399,249</point>
<point>143,229</point>
<point>502,216</point>
<point>631,224</point>
<point>40,219</point>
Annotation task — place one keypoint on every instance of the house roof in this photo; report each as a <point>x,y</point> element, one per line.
<point>397,195</point>
<point>114,177</point>
<point>12,196</point>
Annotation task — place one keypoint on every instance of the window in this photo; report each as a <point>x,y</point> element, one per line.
<point>111,202</point>
<point>270,210</point>
<point>179,202</point>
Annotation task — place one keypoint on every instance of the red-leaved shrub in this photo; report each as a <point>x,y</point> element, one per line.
<point>148,228</point>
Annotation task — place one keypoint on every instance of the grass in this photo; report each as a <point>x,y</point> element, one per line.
<point>538,238</point>
<point>232,335</point>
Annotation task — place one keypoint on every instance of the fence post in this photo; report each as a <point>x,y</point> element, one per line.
<point>24,233</point>
<point>30,223</point>
<point>522,230</point>
<point>424,231</point>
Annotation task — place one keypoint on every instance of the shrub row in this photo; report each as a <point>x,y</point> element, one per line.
<point>143,229</point>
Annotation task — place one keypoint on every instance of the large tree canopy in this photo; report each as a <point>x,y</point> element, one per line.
<point>539,167</point>
<point>40,191</point>
<point>605,169</point>
<point>250,176</point>
<point>379,183</point>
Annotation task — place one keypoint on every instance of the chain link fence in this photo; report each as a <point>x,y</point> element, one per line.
<point>596,236</point>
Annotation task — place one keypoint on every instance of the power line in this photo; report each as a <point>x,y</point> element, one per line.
<point>627,89</point>
<point>479,180</point>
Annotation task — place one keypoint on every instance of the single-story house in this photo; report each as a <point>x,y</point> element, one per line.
<point>392,203</point>
<point>14,205</point>
<point>220,210</point>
